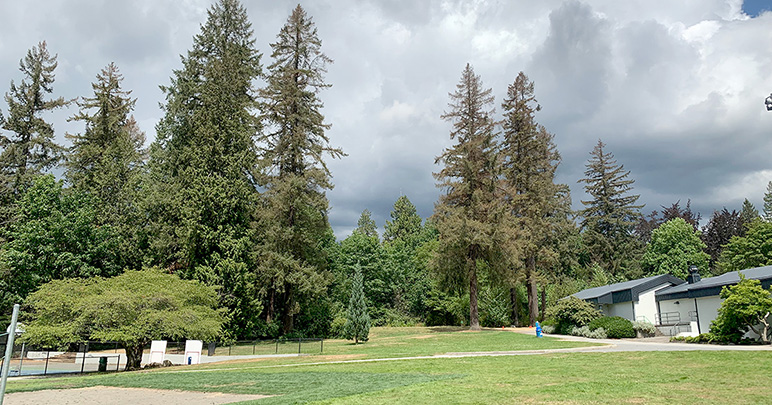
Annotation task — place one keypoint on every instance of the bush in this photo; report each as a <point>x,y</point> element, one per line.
<point>571,312</point>
<point>585,331</point>
<point>644,328</point>
<point>616,327</point>
<point>745,306</point>
<point>548,329</point>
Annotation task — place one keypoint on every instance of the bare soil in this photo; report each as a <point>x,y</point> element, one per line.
<point>124,396</point>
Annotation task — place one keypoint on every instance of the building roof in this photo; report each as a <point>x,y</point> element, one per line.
<point>713,285</point>
<point>626,291</point>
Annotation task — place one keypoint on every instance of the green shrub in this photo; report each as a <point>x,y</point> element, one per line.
<point>571,312</point>
<point>585,331</point>
<point>645,328</point>
<point>548,329</point>
<point>616,327</point>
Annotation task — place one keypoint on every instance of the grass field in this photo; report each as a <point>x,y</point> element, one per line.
<point>639,377</point>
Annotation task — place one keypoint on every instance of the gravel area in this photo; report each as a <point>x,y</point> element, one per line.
<point>124,396</point>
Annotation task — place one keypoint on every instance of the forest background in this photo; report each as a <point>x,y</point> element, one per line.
<point>233,193</point>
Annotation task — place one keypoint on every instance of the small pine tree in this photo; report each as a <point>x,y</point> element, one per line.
<point>768,203</point>
<point>748,213</point>
<point>358,321</point>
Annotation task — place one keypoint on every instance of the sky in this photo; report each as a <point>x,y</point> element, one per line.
<point>675,89</point>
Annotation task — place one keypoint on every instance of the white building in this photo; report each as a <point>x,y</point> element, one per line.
<point>633,300</point>
<point>674,306</point>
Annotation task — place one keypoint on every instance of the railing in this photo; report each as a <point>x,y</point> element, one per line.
<point>668,318</point>
<point>643,318</point>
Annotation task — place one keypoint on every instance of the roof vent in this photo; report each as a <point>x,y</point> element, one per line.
<point>694,275</point>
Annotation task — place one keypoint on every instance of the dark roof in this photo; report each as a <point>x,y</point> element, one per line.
<point>713,285</point>
<point>626,291</point>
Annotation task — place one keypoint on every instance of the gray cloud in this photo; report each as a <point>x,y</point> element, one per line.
<point>674,88</point>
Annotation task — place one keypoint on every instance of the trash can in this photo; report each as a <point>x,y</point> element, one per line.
<point>190,360</point>
<point>103,364</point>
<point>210,350</point>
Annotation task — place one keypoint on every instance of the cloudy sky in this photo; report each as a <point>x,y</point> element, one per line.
<point>674,88</point>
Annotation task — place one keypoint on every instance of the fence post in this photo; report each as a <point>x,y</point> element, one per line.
<point>118,366</point>
<point>48,354</point>
<point>21,356</point>
<point>229,349</point>
<point>299,340</point>
<point>321,350</point>
<point>83,363</point>
<point>277,346</point>
<point>254,345</point>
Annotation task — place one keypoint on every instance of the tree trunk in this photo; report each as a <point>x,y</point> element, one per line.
<point>269,312</point>
<point>287,315</point>
<point>133,356</point>
<point>543,303</point>
<point>515,305</point>
<point>474,317</point>
<point>533,304</point>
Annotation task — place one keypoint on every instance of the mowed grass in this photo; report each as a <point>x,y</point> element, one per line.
<point>637,377</point>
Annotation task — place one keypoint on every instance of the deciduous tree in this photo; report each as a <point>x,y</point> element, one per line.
<point>721,227</point>
<point>131,309</point>
<point>674,246</point>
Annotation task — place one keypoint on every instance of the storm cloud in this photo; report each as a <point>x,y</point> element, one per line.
<point>675,89</point>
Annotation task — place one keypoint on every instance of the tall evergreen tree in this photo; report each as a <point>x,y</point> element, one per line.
<point>204,165</point>
<point>748,213</point>
<point>294,215</point>
<point>366,224</point>
<point>405,221</point>
<point>357,325</point>
<point>530,159</point>
<point>609,217</point>
<point>467,214</point>
<point>107,159</point>
<point>768,203</point>
<point>30,148</point>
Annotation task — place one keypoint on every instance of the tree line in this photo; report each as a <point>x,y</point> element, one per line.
<point>232,193</point>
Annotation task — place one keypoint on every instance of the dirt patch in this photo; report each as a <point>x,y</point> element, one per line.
<point>124,396</point>
<point>424,337</point>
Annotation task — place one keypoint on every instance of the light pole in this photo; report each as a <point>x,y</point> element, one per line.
<point>768,102</point>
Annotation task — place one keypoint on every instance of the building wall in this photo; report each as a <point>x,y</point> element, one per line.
<point>646,306</point>
<point>682,306</point>
<point>623,309</point>
<point>707,309</point>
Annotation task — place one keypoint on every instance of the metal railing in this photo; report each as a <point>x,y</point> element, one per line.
<point>668,318</point>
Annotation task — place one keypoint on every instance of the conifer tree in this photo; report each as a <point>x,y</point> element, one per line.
<point>748,213</point>
<point>30,148</point>
<point>366,225</point>
<point>106,161</point>
<point>204,165</point>
<point>294,214</point>
<point>533,199</point>
<point>405,221</point>
<point>768,203</point>
<point>357,325</point>
<point>468,214</point>
<point>609,217</point>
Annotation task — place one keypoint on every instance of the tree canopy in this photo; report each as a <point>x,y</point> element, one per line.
<point>132,309</point>
<point>674,246</point>
<point>752,250</point>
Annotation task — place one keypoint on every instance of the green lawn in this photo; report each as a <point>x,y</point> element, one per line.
<point>645,377</point>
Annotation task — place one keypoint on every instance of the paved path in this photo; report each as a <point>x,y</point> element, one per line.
<point>655,344</point>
